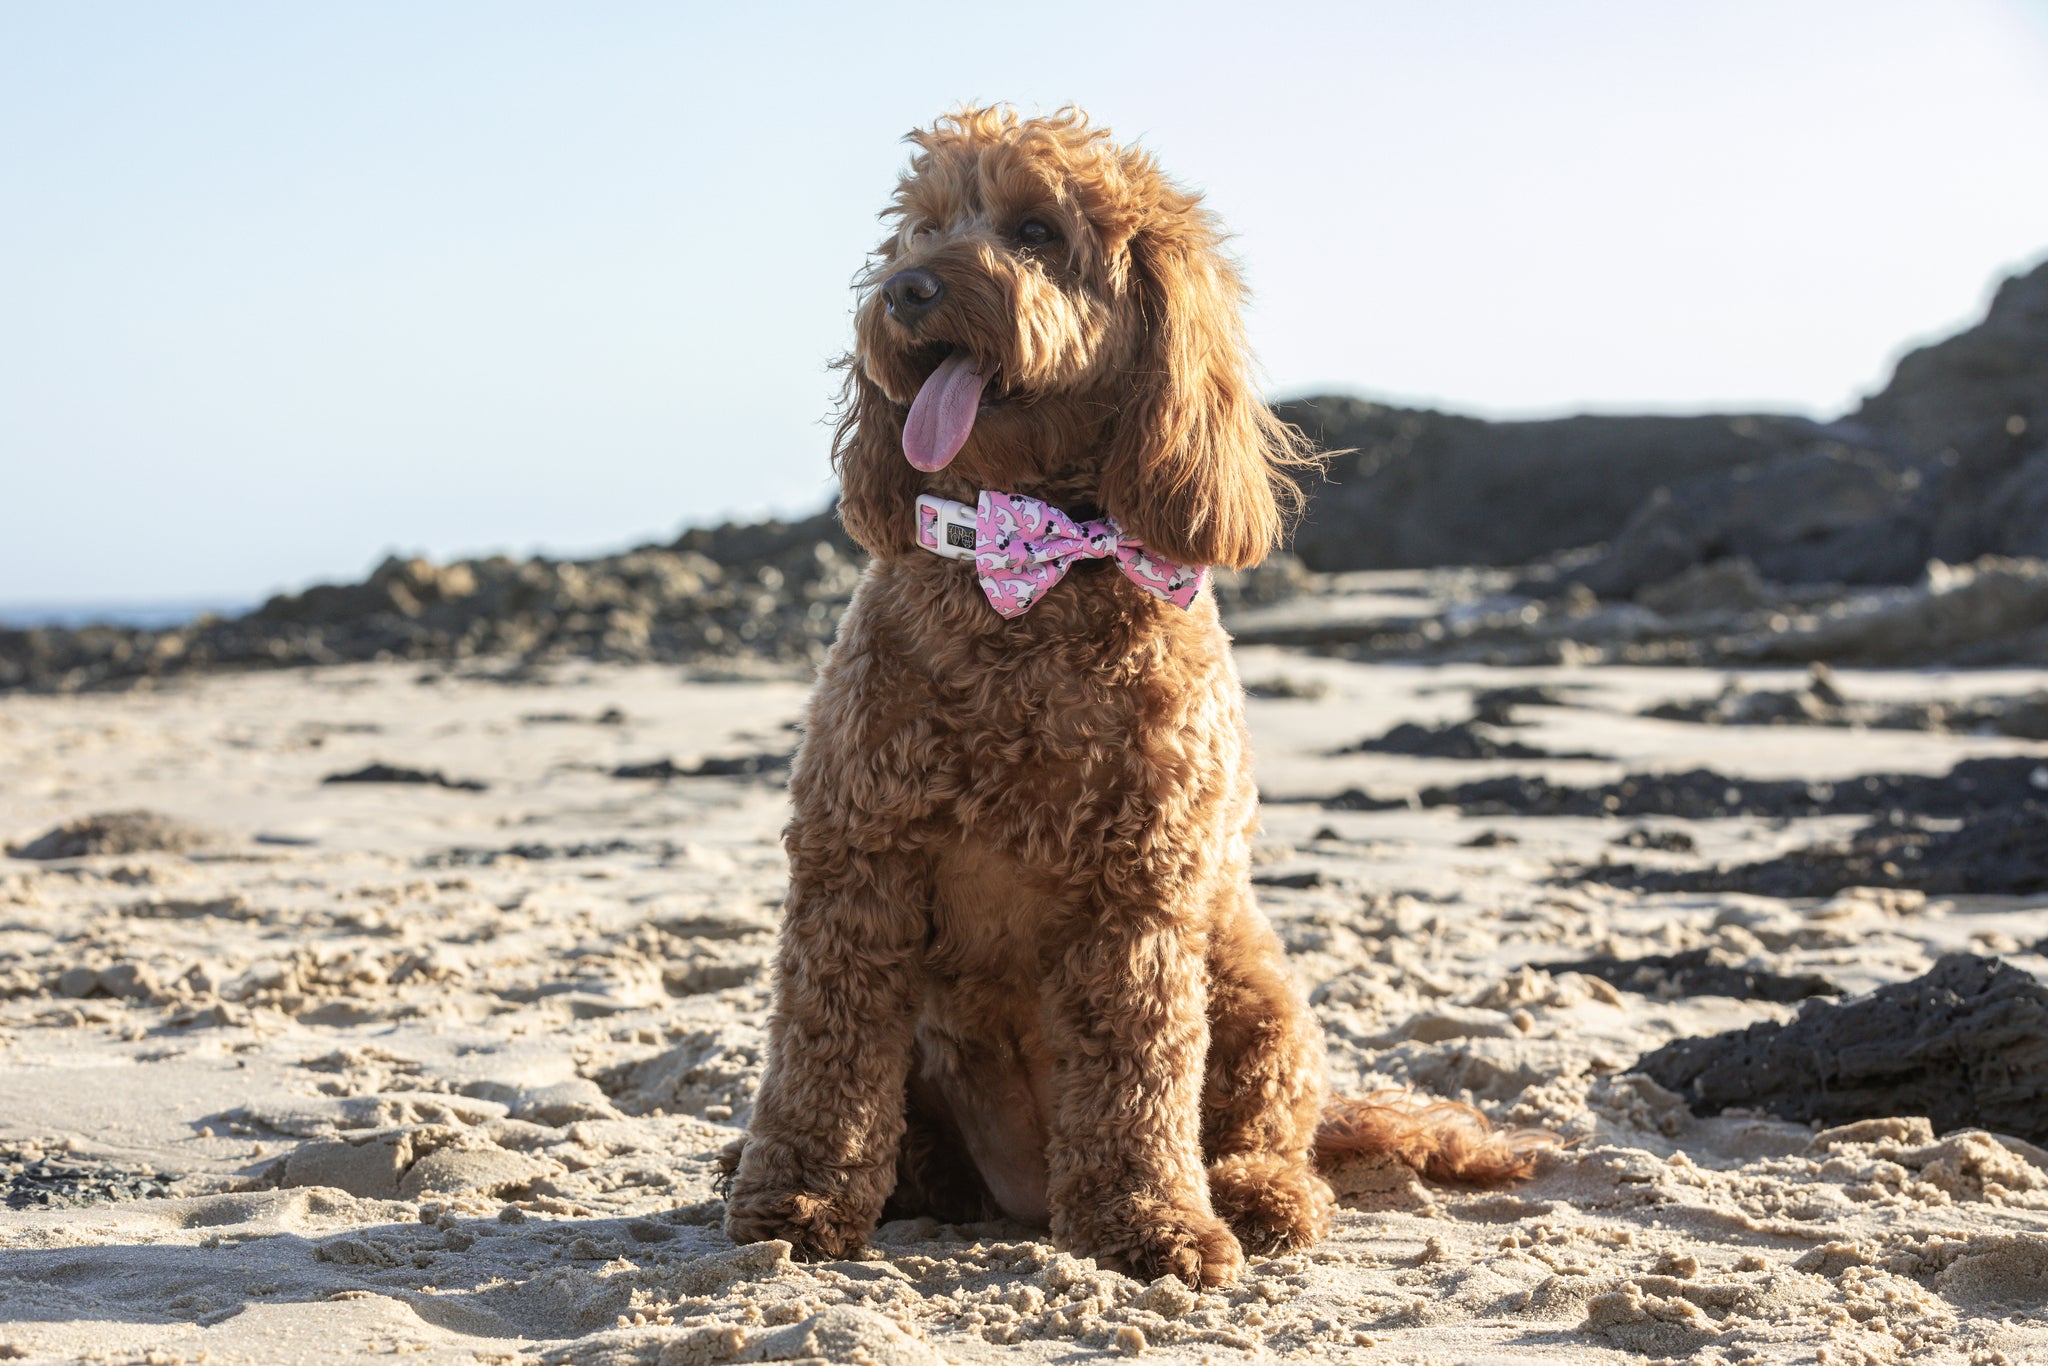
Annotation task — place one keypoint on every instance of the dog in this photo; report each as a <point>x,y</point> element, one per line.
<point>1021,971</point>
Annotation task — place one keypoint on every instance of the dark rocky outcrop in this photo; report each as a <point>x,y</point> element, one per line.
<point>1972,787</point>
<point>1998,851</point>
<point>1966,1046</point>
<point>1821,702</point>
<point>1948,461</point>
<point>1829,513</point>
<point>1417,488</point>
<point>1993,611</point>
<point>1978,402</point>
<point>774,596</point>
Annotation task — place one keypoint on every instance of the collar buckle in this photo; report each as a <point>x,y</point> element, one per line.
<point>945,527</point>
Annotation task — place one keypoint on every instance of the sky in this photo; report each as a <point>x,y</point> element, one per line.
<point>286,288</point>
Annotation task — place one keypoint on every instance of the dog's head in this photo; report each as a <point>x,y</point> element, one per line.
<point>1052,316</point>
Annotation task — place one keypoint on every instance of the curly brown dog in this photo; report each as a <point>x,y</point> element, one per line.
<point>1022,971</point>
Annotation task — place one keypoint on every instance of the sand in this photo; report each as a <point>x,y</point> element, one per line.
<point>359,1070</point>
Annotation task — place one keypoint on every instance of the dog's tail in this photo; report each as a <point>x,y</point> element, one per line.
<point>1441,1139</point>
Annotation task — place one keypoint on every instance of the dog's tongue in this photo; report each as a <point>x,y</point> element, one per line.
<point>942,414</point>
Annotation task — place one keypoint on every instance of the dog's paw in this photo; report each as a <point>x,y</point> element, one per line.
<point>1148,1239</point>
<point>1271,1204</point>
<point>816,1227</point>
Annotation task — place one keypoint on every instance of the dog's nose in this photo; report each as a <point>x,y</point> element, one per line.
<point>911,294</point>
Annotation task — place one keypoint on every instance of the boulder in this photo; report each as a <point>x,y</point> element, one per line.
<point>1832,512</point>
<point>1966,1045</point>
<point>1978,390</point>
<point>1412,488</point>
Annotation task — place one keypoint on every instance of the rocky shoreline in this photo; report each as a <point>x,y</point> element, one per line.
<point>771,612</point>
<point>767,595</point>
<point>1911,532</point>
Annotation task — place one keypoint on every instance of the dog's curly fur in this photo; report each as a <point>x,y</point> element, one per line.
<point>1022,971</point>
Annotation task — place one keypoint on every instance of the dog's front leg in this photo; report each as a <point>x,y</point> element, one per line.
<point>820,1154</point>
<point>1126,1027</point>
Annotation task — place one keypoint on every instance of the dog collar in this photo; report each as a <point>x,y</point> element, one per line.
<point>1022,547</point>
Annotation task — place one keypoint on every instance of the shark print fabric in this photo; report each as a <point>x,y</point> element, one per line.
<point>1022,547</point>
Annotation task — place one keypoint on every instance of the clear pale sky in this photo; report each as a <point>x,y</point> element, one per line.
<point>283,287</point>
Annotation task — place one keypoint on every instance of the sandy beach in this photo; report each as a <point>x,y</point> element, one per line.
<point>353,1069</point>
<point>445,444</point>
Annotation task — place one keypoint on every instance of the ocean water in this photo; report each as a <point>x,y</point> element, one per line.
<point>21,616</point>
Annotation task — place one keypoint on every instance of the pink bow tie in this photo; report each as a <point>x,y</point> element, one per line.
<point>1022,547</point>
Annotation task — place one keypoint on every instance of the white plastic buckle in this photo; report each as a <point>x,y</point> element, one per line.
<point>945,527</point>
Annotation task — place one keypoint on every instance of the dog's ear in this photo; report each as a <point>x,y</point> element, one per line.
<point>877,486</point>
<point>1197,466</point>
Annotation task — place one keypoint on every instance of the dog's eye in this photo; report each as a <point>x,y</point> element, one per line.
<point>1035,232</point>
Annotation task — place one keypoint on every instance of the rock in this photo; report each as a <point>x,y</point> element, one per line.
<point>1358,799</point>
<point>77,982</point>
<point>117,832</point>
<point>1497,706</point>
<point>733,766</point>
<point>1961,393</point>
<point>2003,851</point>
<point>1729,584</point>
<point>1698,518</point>
<point>34,1178</point>
<point>1287,688</point>
<point>1991,611</point>
<point>391,773</point>
<point>1834,513</point>
<point>1819,703</point>
<point>1277,578</point>
<point>1663,841</point>
<point>1298,882</point>
<point>1416,488</point>
<point>2024,717</point>
<point>1455,740</point>
<point>775,597</point>
<point>1702,520</point>
<point>1965,1045</point>
<point>1698,972</point>
<point>1978,402</point>
<point>1950,461</point>
<point>1974,786</point>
